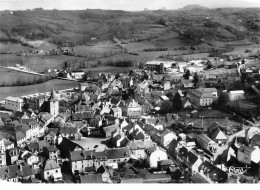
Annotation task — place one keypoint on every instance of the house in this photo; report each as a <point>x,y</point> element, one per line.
<point>212,172</point>
<point>255,140</point>
<point>31,159</point>
<point>200,178</point>
<point>156,155</point>
<point>50,137</point>
<point>118,139</point>
<point>51,170</point>
<point>13,103</point>
<point>44,119</point>
<point>91,178</point>
<point>157,66</point>
<point>138,148</point>
<point>13,155</point>
<point>218,136</point>
<point>163,165</point>
<point>10,173</point>
<point>203,96</point>
<point>236,95</point>
<point>205,142</point>
<point>83,160</point>
<point>166,137</point>
<point>187,84</point>
<point>31,129</point>
<point>33,147</point>
<point>248,154</point>
<point>69,133</point>
<point>108,130</point>
<point>117,111</point>
<point>52,152</point>
<point>133,109</point>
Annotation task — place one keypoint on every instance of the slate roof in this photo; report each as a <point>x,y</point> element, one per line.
<point>165,162</point>
<point>117,153</point>
<point>198,178</point>
<point>50,165</point>
<point>68,130</point>
<point>192,158</point>
<point>52,148</point>
<point>26,171</point>
<point>33,146</point>
<point>91,178</point>
<point>212,169</point>
<point>110,128</point>
<point>20,135</point>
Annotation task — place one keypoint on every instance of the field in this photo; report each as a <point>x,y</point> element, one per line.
<point>97,50</point>
<point>39,88</point>
<point>9,77</point>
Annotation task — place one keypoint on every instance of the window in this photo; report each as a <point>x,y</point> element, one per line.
<point>48,173</point>
<point>56,171</point>
<point>114,160</point>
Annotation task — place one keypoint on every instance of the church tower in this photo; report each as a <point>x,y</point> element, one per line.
<point>54,103</point>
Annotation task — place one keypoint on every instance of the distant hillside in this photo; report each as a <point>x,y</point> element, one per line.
<point>192,7</point>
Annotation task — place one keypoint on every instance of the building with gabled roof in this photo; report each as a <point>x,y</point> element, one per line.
<point>203,96</point>
<point>51,170</point>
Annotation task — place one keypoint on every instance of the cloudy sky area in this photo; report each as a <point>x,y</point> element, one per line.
<point>121,4</point>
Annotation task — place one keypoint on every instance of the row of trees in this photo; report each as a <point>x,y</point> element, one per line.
<point>25,82</point>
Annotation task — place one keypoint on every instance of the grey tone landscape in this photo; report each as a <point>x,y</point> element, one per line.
<point>130,91</point>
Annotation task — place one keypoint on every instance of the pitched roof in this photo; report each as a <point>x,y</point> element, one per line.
<point>51,165</point>
<point>42,144</point>
<point>52,148</point>
<point>192,158</point>
<point>165,162</point>
<point>218,135</point>
<point>199,178</point>
<point>68,130</point>
<point>91,178</point>
<point>117,153</point>
<point>111,128</point>
<point>26,171</point>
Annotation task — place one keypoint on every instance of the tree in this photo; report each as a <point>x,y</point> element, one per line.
<point>187,74</point>
<point>195,80</point>
<point>177,102</point>
<point>166,107</point>
<point>223,99</point>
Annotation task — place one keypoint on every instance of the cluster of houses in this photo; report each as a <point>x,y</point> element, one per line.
<point>45,134</point>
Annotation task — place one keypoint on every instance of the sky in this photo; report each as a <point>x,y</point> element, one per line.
<point>129,5</point>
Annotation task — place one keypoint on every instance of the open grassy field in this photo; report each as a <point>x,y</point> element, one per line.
<point>10,77</point>
<point>97,50</point>
<point>10,59</point>
<point>31,89</point>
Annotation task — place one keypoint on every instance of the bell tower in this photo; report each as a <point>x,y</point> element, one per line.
<point>54,103</point>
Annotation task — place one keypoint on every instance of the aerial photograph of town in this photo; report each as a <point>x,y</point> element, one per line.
<point>130,91</point>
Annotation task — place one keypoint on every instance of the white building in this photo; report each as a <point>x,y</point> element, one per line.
<point>156,156</point>
<point>52,170</point>
<point>54,104</point>
<point>236,95</point>
<point>13,103</point>
<point>248,154</point>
